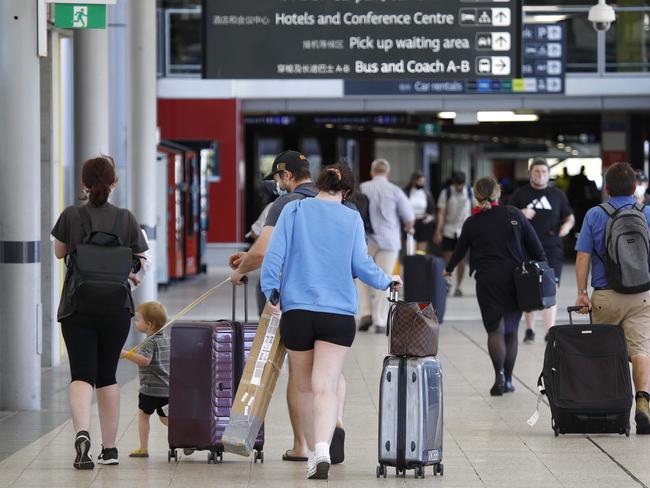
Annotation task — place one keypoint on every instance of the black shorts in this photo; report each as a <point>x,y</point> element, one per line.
<point>149,404</point>
<point>300,329</point>
<point>449,244</point>
<point>555,258</point>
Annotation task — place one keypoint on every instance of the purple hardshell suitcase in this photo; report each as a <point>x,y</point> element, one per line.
<point>206,363</point>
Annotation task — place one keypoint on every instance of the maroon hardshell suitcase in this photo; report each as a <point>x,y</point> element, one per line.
<point>206,363</point>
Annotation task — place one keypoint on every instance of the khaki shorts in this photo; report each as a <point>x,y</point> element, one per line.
<point>632,312</point>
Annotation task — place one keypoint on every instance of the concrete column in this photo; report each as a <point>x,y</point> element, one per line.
<point>91,101</point>
<point>20,208</point>
<point>118,61</point>
<point>142,128</point>
<point>51,198</point>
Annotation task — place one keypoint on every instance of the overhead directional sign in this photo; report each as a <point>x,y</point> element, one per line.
<point>544,55</point>
<point>362,39</point>
<point>543,69</point>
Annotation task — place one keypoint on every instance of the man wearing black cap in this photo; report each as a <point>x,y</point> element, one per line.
<point>293,181</point>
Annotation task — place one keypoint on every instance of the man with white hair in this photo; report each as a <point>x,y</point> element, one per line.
<point>390,211</point>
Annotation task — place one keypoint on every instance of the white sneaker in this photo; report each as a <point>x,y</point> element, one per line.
<point>318,464</point>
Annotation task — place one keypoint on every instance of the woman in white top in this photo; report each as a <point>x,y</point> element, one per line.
<point>423,207</point>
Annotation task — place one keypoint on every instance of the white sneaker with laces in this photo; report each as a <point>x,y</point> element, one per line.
<point>318,464</point>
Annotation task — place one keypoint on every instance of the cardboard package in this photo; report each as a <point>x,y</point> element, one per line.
<point>256,387</point>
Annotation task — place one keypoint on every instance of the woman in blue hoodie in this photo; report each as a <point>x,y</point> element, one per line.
<point>317,249</point>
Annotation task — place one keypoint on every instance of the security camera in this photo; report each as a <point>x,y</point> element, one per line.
<point>601,16</point>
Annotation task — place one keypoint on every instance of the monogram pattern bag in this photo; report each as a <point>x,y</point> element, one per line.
<point>413,329</point>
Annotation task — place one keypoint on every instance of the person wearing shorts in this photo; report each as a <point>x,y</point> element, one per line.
<point>153,360</point>
<point>549,212</point>
<point>454,207</point>
<point>316,251</point>
<point>94,341</point>
<point>630,311</point>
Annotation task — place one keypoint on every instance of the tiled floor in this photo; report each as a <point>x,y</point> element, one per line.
<point>487,440</point>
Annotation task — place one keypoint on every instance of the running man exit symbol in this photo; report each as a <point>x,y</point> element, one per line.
<point>80,16</point>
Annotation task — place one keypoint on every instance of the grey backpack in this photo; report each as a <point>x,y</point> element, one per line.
<point>627,249</point>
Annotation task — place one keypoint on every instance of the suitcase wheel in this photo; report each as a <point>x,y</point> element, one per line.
<point>259,456</point>
<point>381,471</point>
<point>627,432</point>
<point>438,469</point>
<point>214,457</point>
<point>419,472</point>
<point>171,454</point>
<point>401,472</point>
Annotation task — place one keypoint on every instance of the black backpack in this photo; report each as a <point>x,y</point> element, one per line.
<point>98,270</point>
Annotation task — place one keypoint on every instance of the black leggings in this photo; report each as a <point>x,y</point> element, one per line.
<point>94,345</point>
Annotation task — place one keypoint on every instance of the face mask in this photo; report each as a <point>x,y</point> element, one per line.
<point>640,190</point>
<point>279,191</point>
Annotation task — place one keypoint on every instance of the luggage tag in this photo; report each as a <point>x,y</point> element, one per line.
<point>535,416</point>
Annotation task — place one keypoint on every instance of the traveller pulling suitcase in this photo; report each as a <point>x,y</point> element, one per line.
<point>586,378</point>
<point>423,279</point>
<point>206,364</point>
<point>410,415</point>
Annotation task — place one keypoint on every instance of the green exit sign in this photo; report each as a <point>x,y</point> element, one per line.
<point>430,129</point>
<point>80,16</point>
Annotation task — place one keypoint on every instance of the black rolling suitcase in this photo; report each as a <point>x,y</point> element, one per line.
<point>423,279</point>
<point>586,378</point>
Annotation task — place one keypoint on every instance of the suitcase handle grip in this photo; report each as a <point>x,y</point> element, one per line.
<point>275,297</point>
<point>234,299</point>
<point>576,308</point>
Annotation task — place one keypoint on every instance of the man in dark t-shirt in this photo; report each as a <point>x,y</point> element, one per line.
<point>552,218</point>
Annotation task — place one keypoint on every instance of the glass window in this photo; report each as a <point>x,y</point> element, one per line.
<point>628,43</point>
<point>183,42</point>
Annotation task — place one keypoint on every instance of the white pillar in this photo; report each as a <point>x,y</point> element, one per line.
<point>91,79</point>
<point>142,128</point>
<point>20,208</point>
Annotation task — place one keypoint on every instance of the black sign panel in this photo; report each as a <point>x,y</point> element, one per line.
<point>362,39</point>
<point>543,69</point>
<point>544,53</point>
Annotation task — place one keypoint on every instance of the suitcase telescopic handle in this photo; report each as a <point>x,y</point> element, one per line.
<point>234,299</point>
<point>394,294</point>
<point>577,308</point>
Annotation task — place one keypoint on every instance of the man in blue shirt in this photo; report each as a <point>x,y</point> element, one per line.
<point>631,311</point>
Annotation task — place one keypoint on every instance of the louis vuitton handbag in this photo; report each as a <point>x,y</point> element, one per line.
<point>413,329</point>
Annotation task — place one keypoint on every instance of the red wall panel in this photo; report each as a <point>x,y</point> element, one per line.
<point>218,120</point>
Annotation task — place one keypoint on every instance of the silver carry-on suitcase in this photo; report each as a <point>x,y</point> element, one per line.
<point>410,415</point>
